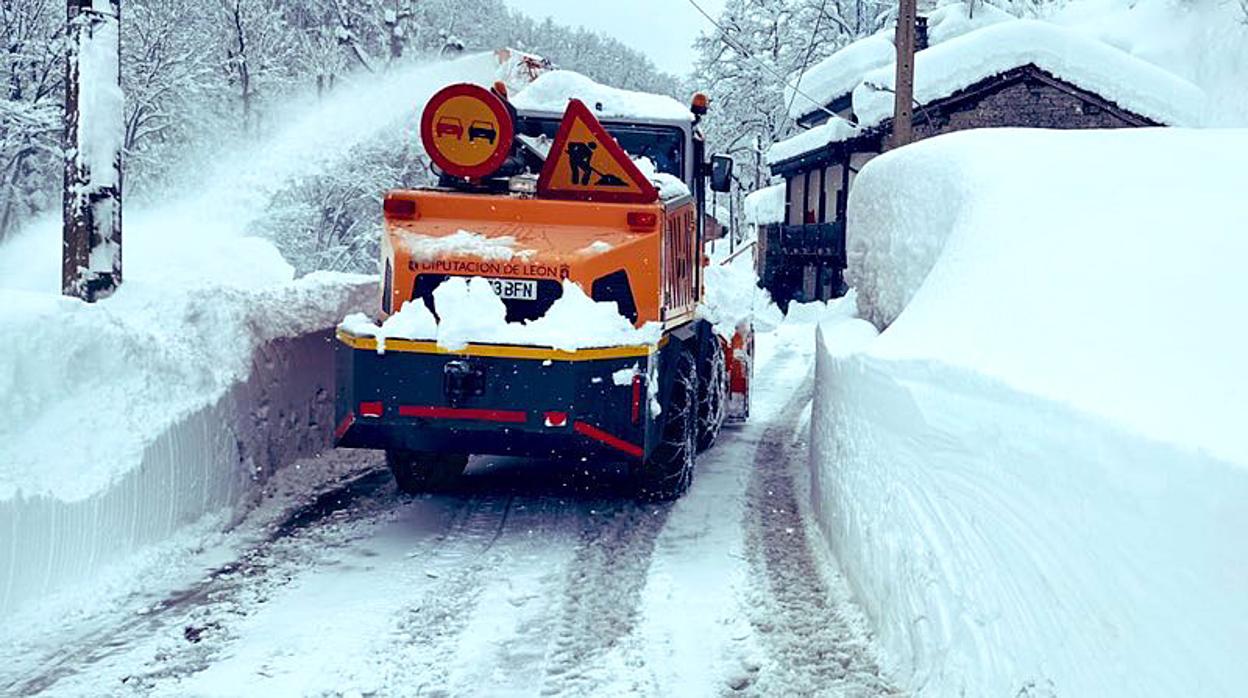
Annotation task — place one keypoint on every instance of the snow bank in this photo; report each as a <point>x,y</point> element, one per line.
<point>841,72</point>
<point>1039,461</point>
<point>551,91</point>
<point>733,296</point>
<point>766,205</point>
<point>471,313</point>
<point>209,368</point>
<point>1129,82</point>
<point>1115,253</point>
<point>89,387</point>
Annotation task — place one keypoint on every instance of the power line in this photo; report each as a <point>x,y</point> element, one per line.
<point>810,49</point>
<point>735,45</point>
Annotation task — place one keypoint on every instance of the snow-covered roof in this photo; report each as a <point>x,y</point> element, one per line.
<point>1131,83</point>
<point>955,64</point>
<point>834,130</point>
<point>551,91</point>
<point>840,73</point>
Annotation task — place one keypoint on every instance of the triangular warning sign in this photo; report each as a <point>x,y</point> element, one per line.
<point>586,163</point>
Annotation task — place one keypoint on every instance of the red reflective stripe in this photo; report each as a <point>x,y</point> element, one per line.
<point>510,416</point>
<point>372,409</point>
<point>614,442</point>
<point>344,425</point>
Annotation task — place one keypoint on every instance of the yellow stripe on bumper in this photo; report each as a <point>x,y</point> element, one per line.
<point>508,351</point>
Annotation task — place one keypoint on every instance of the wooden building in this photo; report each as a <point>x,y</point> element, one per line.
<point>991,71</point>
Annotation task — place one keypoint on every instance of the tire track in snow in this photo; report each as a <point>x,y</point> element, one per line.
<point>416,632</point>
<point>429,629</point>
<point>815,639</point>
<point>602,593</point>
<point>196,622</point>
<point>218,587</point>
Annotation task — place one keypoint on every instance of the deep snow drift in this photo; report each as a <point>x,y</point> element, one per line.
<point>1080,276</point>
<point>98,402</point>
<point>1034,478</point>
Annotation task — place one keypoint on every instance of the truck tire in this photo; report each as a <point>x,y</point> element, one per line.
<point>418,472</point>
<point>666,474</point>
<point>712,392</point>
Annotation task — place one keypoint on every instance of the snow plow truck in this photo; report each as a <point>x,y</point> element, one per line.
<point>556,182</point>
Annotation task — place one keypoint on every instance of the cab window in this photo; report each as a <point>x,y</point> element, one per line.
<point>664,145</point>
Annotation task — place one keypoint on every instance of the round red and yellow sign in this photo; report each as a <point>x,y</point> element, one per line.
<point>467,131</point>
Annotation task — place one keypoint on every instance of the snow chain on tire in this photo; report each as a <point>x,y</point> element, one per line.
<point>417,472</point>
<point>712,393</point>
<point>669,470</point>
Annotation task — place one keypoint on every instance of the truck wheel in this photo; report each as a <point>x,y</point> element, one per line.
<point>417,472</point>
<point>712,393</point>
<point>669,470</point>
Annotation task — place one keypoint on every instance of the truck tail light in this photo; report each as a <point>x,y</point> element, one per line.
<point>643,220</point>
<point>400,209</point>
<point>556,419</point>
<point>371,409</point>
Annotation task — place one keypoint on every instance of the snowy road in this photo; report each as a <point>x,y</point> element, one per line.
<point>527,581</point>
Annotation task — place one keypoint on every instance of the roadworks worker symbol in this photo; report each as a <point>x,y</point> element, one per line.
<point>586,163</point>
<point>467,131</point>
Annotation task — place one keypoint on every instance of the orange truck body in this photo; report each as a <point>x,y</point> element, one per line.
<point>653,244</point>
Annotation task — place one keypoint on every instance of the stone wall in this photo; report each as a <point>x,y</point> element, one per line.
<point>1026,103</point>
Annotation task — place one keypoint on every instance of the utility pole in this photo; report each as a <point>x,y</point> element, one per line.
<point>903,107</point>
<point>758,162</point>
<point>94,128</point>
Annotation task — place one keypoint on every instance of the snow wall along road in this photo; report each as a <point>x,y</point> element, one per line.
<point>1035,478</point>
<point>123,421</point>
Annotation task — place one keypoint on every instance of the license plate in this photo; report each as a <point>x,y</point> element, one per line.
<point>515,289</point>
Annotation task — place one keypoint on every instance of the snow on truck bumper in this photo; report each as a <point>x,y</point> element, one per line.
<point>494,399</point>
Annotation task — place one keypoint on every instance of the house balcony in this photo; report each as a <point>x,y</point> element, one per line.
<point>824,241</point>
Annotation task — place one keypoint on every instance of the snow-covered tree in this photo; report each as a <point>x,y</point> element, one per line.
<point>32,54</point>
<point>210,72</point>
<point>168,69</point>
<point>260,50</point>
<point>758,47</point>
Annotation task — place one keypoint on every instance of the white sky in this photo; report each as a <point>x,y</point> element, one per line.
<point>664,30</point>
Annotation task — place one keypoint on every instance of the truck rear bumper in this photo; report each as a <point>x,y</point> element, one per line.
<point>494,399</point>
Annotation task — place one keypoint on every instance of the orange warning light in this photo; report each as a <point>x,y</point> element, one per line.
<point>700,103</point>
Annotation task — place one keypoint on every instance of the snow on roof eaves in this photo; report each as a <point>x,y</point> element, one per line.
<point>841,72</point>
<point>1131,83</point>
<point>837,74</point>
<point>765,205</point>
<point>551,91</point>
<point>834,130</point>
